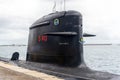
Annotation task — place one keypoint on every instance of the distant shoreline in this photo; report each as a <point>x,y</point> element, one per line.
<point>84,45</point>
<point>13,45</point>
<point>97,44</point>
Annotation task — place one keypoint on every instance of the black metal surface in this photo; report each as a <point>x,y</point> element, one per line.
<point>55,38</point>
<point>88,35</point>
<point>15,56</point>
<point>80,73</point>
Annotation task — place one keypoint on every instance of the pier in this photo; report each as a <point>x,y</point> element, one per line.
<point>12,72</point>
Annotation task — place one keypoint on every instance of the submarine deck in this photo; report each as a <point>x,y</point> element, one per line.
<point>64,73</point>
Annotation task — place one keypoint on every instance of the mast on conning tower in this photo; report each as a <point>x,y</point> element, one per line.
<point>59,5</point>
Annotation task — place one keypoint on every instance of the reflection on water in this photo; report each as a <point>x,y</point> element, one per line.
<point>98,57</point>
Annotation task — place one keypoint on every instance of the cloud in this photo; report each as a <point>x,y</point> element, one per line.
<point>3,22</point>
<point>14,30</point>
<point>100,17</point>
<point>26,8</point>
<point>14,36</point>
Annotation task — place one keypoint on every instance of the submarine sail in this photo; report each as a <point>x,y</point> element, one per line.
<point>55,38</point>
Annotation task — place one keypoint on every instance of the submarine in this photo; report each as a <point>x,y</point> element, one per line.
<point>57,38</point>
<point>55,47</point>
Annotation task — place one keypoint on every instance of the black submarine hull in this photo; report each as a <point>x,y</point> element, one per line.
<point>57,38</point>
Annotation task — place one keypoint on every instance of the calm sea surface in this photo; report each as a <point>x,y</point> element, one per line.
<point>98,57</point>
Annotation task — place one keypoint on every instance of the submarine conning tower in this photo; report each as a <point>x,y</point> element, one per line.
<point>57,38</point>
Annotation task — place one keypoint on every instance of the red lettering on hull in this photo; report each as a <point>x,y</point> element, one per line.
<point>42,38</point>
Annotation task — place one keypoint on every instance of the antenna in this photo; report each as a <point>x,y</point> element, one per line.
<point>64,5</point>
<point>54,6</point>
<point>59,5</point>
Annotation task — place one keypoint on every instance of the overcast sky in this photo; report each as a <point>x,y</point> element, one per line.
<point>100,17</point>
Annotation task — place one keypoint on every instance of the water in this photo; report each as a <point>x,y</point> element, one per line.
<point>103,58</point>
<point>7,51</point>
<point>100,57</point>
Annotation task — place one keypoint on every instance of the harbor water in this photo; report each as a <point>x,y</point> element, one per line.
<point>104,58</point>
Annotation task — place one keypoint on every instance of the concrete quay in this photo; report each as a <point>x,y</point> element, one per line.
<point>12,72</point>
